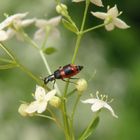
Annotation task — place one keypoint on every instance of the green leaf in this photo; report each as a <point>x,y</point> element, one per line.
<point>70,26</point>
<point>88,131</point>
<point>49,50</point>
<point>7,66</point>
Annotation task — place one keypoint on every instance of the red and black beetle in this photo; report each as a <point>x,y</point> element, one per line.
<point>63,72</point>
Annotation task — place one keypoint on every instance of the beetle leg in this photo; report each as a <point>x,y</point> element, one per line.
<point>69,81</point>
<point>74,78</point>
<point>60,67</point>
<point>54,83</point>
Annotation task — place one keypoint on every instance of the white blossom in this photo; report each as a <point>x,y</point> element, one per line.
<point>97,104</point>
<point>41,100</point>
<point>3,35</point>
<point>12,19</point>
<point>47,26</point>
<point>96,2</point>
<point>12,23</point>
<point>111,18</point>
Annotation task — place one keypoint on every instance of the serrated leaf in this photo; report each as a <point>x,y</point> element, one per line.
<point>70,26</point>
<point>49,50</point>
<point>7,66</point>
<point>88,131</point>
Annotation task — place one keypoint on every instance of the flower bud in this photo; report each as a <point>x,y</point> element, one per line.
<point>55,102</point>
<point>22,109</point>
<point>81,85</point>
<point>62,9</point>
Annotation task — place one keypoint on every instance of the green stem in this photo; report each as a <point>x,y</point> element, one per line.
<point>23,68</point>
<point>73,112</point>
<point>28,72</point>
<point>90,125</point>
<point>79,35</point>
<point>8,52</point>
<point>74,108</point>
<point>93,28</point>
<point>48,69</point>
<point>30,41</point>
<point>67,136</point>
<point>71,93</point>
<point>55,119</point>
<point>77,45</point>
<point>6,60</point>
<point>44,116</point>
<point>76,48</point>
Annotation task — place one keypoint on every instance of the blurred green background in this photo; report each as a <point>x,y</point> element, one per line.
<point>115,56</point>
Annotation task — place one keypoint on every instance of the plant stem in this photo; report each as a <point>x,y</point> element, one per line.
<point>55,119</point>
<point>90,125</point>
<point>74,108</point>
<point>30,41</point>
<point>48,69</point>
<point>73,112</point>
<point>8,52</point>
<point>77,45</point>
<point>93,28</point>
<point>44,116</point>
<point>28,72</point>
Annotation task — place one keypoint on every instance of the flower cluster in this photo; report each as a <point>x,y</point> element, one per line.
<point>41,101</point>
<point>11,26</point>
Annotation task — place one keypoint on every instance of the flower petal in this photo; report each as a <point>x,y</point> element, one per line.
<point>27,22</point>
<point>32,107</point>
<point>3,35</point>
<point>42,107</point>
<point>97,2</point>
<point>97,106</point>
<point>107,106</point>
<point>90,101</point>
<point>77,0</point>
<point>50,94</point>
<point>54,34</point>
<point>40,92</point>
<point>40,23</point>
<point>54,21</point>
<point>109,27</point>
<point>10,33</point>
<point>39,34</point>
<point>10,19</point>
<point>120,24</point>
<point>113,12</point>
<point>100,15</point>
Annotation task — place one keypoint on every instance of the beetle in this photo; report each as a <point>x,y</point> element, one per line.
<point>66,71</point>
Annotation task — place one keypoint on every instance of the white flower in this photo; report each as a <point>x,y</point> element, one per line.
<point>12,19</point>
<point>111,18</point>
<point>96,2</point>
<point>41,100</point>
<point>3,35</point>
<point>45,26</point>
<point>9,26</point>
<point>98,104</point>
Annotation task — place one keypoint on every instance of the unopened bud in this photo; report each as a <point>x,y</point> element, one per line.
<point>22,109</point>
<point>81,85</point>
<point>55,102</point>
<point>62,9</point>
